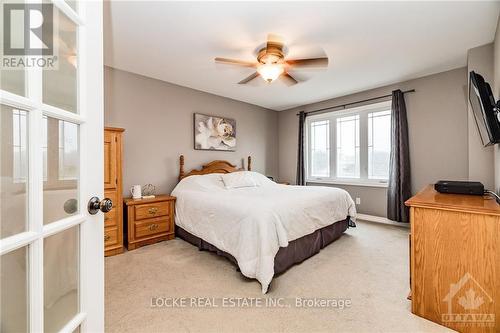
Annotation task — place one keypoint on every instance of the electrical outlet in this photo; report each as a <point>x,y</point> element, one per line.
<point>358,201</point>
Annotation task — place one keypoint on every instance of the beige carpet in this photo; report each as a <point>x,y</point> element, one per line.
<point>368,265</point>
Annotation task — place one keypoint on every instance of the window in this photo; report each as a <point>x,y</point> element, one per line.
<point>379,144</point>
<point>348,147</point>
<point>68,150</point>
<point>44,147</point>
<point>361,145</point>
<point>67,155</point>
<point>20,145</point>
<point>320,149</point>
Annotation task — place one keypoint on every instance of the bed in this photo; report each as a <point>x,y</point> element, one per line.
<point>264,229</point>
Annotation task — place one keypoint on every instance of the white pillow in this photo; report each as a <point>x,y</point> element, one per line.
<point>238,179</point>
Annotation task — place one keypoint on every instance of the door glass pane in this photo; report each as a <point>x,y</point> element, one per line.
<point>379,144</point>
<point>348,165</point>
<point>60,169</point>
<point>60,273</point>
<point>14,291</point>
<point>13,80</point>
<point>60,85</point>
<point>13,171</point>
<point>72,4</point>
<point>320,148</point>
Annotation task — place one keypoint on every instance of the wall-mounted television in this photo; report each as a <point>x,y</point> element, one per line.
<point>486,111</point>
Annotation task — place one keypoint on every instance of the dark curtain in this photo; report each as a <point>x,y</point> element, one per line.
<point>301,168</point>
<point>399,189</point>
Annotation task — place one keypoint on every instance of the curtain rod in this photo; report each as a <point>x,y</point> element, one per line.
<point>352,103</point>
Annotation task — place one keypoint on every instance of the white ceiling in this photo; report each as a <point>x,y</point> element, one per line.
<point>370,44</point>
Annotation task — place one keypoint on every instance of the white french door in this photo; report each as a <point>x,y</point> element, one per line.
<point>51,164</point>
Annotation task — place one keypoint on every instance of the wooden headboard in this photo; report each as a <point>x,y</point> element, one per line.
<point>217,166</point>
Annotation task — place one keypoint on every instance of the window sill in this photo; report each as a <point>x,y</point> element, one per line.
<point>349,183</point>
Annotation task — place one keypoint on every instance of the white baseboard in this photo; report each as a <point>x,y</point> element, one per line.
<point>379,219</point>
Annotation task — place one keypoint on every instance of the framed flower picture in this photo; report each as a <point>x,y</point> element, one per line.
<point>214,133</point>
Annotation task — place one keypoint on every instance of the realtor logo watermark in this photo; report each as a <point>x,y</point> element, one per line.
<point>468,304</point>
<point>28,36</point>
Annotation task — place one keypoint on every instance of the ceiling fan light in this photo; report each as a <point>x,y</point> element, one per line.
<point>270,72</point>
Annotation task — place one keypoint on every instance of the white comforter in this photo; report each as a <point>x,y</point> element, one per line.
<point>252,223</point>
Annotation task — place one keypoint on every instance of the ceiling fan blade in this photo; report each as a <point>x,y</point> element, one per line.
<point>311,62</point>
<point>288,79</point>
<point>235,62</point>
<point>249,78</point>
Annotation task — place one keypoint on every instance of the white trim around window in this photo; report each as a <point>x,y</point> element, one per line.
<point>358,139</point>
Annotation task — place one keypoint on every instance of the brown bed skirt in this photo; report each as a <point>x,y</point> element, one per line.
<point>297,250</point>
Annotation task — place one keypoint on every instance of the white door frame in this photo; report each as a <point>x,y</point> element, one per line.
<point>90,119</point>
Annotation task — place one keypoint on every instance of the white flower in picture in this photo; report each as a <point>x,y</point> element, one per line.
<point>214,133</point>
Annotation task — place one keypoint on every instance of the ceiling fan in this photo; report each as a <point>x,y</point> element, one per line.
<point>271,63</point>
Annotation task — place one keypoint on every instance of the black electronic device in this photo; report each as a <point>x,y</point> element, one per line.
<point>486,111</point>
<point>459,187</point>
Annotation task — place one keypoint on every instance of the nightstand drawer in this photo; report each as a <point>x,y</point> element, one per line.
<point>110,236</point>
<point>151,227</point>
<point>147,211</point>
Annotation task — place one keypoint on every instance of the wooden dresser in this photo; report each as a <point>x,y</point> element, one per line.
<point>149,220</point>
<point>455,260</point>
<point>113,221</point>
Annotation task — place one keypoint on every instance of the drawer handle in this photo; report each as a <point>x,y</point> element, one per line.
<point>152,210</point>
<point>107,238</point>
<point>153,226</point>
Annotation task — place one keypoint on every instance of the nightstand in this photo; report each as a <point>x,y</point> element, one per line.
<point>149,220</point>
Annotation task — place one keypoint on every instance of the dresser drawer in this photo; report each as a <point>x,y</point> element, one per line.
<point>151,227</point>
<point>112,195</point>
<point>110,220</point>
<point>110,217</point>
<point>110,236</point>
<point>147,211</point>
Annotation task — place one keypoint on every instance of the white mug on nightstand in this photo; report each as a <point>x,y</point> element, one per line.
<point>136,192</point>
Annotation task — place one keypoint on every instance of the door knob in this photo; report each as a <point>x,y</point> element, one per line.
<point>104,205</point>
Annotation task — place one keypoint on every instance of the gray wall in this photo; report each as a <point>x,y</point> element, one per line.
<point>481,159</point>
<point>496,92</point>
<point>437,119</point>
<point>158,121</point>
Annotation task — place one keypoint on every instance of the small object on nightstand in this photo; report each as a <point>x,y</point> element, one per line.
<point>148,191</point>
<point>135,191</point>
<point>149,220</point>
